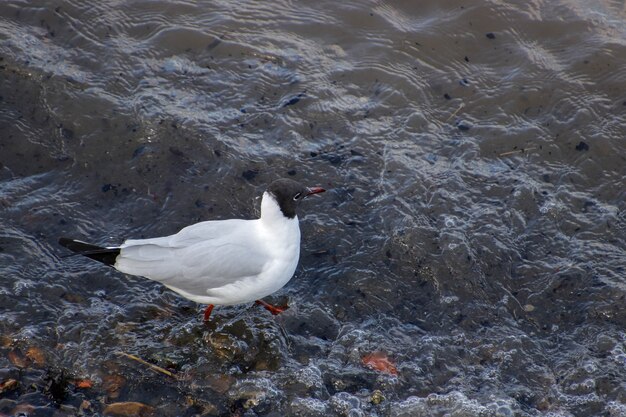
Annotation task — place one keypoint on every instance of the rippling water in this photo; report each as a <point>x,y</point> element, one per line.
<point>474,232</point>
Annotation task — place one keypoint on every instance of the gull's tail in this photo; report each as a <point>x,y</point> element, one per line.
<point>105,255</point>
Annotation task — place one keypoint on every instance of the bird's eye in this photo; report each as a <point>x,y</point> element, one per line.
<point>297,196</point>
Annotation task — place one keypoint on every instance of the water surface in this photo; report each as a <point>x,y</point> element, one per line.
<point>473,233</point>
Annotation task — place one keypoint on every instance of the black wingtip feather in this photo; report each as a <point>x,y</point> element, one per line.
<point>105,255</point>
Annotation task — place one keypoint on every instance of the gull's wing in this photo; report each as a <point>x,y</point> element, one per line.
<point>198,258</point>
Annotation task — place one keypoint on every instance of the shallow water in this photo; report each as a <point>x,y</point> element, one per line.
<point>473,232</point>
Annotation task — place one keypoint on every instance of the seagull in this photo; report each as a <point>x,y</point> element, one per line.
<point>218,262</point>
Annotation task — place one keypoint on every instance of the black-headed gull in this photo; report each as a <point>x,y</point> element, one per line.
<point>219,262</point>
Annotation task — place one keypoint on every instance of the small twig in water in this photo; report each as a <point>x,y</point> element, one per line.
<point>148,364</point>
<point>516,151</point>
<point>455,112</point>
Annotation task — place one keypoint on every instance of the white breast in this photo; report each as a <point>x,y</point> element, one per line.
<point>279,238</point>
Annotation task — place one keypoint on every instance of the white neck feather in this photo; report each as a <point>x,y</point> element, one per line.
<point>271,213</point>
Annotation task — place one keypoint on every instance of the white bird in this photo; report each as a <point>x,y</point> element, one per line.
<point>219,262</point>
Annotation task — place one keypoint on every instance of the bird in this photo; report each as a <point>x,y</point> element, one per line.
<point>218,262</point>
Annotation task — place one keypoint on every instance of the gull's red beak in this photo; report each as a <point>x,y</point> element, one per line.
<point>314,190</point>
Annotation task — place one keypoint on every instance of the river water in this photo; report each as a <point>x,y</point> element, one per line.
<point>468,259</point>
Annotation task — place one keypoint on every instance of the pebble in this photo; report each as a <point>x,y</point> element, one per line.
<point>377,397</point>
<point>582,146</point>
<point>463,126</point>
<point>250,174</point>
<point>128,409</point>
<point>36,355</point>
<point>8,385</point>
<point>293,100</point>
<point>17,359</point>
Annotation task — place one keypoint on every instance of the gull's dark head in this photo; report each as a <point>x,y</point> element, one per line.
<point>289,193</point>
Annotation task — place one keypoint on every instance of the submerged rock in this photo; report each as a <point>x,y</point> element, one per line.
<point>129,409</point>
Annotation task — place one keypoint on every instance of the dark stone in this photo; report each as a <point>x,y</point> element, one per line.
<point>214,43</point>
<point>447,96</point>
<point>250,174</point>
<point>490,35</point>
<point>293,100</point>
<point>67,133</point>
<point>139,151</point>
<point>56,382</point>
<point>334,159</point>
<point>175,151</point>
<point>582,146</point>
<point>589,204</point>
<point>291,172</point>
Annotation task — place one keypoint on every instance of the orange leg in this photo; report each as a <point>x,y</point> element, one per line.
<point>207,312</point>
<point>272,309</point>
